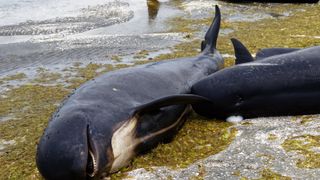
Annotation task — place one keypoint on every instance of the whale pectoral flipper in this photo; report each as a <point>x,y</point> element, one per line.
<point>268,52</point>
<point>241,52</point>
<point>170,100</point>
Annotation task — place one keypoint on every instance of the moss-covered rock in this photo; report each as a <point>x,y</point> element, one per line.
<point>306,145</point>
<point>32,105</point>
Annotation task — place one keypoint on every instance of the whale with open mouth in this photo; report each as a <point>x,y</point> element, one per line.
<point>107,121</point>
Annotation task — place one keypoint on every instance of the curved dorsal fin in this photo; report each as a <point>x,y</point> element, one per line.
<point>210,39</point>
<point>170,100</point>
<point>241,52</point>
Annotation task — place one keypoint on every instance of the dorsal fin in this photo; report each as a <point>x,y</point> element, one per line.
<point>210,42</point>
<point>203,45</point>
<point>170,100</point>
<point>241,52</point>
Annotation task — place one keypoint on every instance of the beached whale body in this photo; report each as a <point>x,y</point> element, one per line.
<point>283,81</point>
<point>112,118</point>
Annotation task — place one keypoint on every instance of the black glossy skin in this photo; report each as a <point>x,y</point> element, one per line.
<point>264,53</point>
<point>288,84</point>
<point>95,110</point>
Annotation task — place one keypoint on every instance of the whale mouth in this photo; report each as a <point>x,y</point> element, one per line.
<point>92,166</point>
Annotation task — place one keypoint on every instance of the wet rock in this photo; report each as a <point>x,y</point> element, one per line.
<point>253,154</point>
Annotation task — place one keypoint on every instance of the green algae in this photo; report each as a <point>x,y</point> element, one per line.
<point>272,137</point>
<point>307,118</point>
<point>141,54</point>
<point>185,25</point>
<point>246,123</point>
<point>185,49</point>
<point>47,77</point>
<point>18,76</point>
<point>305,145</point>
<point>90,71</point>
<point>267,157</point>
<point>86,73</point>
<point>32,106</point>
<point>269,174</point>
<point>197,139</point>
<point>282,32</point>
<point>201,172</point>
<point>120,66</point>
<point>116,58</point>
<point>191,47</point>
<point>238,174</point>
<point>266,174</point>
<point>297,30</point>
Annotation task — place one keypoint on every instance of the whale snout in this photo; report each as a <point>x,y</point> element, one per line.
<point>73,148</point>
<point>65,150</point>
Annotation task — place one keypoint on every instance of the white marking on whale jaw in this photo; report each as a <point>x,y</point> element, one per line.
<point>234,119</point>
<point>257,64</point>
<point>124,141</point>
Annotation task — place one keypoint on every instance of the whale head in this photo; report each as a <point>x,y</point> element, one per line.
<point>69,148</point>
<point>83,142</point>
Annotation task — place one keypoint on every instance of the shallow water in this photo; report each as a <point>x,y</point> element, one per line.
<point>19,11</point>
<point>36,17</point>
<point>68,31</point>
<point>45,33</point>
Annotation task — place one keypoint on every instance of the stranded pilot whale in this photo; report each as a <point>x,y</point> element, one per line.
<point>284,81</point>
<point>112,118</point>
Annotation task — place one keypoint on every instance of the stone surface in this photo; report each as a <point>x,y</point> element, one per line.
<point>258,146</point>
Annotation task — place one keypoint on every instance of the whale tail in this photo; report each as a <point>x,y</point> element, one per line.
<point>241,52</point>
<point>210,39</point>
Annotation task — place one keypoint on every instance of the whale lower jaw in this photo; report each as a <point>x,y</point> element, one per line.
<point>124,140</point>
